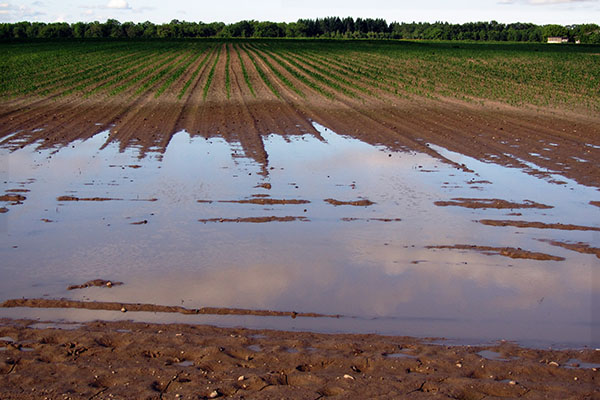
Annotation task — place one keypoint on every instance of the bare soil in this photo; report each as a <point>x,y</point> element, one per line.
<point>358,203</point>
<point>490,203</point>
<point>255,220</point>
<point>502,251</point>
<point>538,225</point>
<point>105,360</point>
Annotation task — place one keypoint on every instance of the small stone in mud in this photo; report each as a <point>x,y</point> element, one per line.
<point>123,309</point>
<point>214,394</point>
<point>3,210</point>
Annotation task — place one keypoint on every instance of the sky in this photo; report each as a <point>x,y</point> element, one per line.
<point>541,12</point>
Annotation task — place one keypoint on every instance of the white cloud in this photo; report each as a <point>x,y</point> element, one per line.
<point>118,4</point>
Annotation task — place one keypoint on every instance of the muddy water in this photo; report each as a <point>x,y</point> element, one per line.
<point>372,264</point>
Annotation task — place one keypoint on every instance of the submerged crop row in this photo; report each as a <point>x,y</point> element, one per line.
<point>542,75</point>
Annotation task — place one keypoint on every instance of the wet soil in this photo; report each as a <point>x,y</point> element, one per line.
<point>266,201</point>
<point>358,203</point>
<point>503,251</point>
<point>579,247</point>
<point>538,225</point>
<point>133,360</point>
<point>255,220</point>
<point>490,203</point>
<point>137,307</point>
<point>95,282</point>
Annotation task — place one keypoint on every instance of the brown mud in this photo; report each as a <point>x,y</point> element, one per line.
<point>350,219</point>
<point>358,203</point>
<point>74,198</point>
<point>502,251</point>
<point>537,225</point>
<point>492,132</point>
<point>490,203</point>
<point>12,197</point>
<point>95,282</point>
<point>104,360</point>
<point>255,220</point>
<point>579,247</point>
<point>137,307</point>
<point>265,201</point>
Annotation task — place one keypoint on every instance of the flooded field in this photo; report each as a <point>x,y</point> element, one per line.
<point>387,241</point>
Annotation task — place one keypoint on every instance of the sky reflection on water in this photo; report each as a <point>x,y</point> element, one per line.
<point>342,261</point>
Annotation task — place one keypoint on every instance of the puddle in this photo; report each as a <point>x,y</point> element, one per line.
<point>254,347</point>
<point>3,348</point>
<point>50,325</point>
<point>315,261</point>
<point>291,350</point>
<point>575,363</point>
<point>399,355</point>
<point>7,339</point>
<point>26,349</point>
<point>123,330</point>
<point>185,364</point>
<point>494,356</point>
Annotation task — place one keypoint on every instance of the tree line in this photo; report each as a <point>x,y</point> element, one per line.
<point>330,27</point>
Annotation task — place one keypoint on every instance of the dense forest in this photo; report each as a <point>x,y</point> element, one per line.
<point>331,27</point>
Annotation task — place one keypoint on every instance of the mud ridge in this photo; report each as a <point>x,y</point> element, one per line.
<point>538,225</point>
<point>490,203</point>
<point>255,220</point>
<point>137,307</point>
<point>502,251</point>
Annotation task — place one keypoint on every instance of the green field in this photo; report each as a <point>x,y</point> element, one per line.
<point>558,76</point>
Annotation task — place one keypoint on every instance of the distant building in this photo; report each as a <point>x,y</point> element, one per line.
<point>558,39</point>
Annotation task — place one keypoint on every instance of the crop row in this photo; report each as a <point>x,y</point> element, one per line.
<point>343,70</point>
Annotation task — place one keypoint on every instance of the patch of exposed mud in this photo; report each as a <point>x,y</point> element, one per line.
<point>104,359</point>
<point>137,307</point>
<point>17,191</point>
<point>134,166</point>
<point>357,203</point>
<point>350,219</point>
<point>264,201</point>
<point>537,225</point>
<point>502,251</point>
<point>579,247</point>
<point>595,203</point>
<point>95,282</point>
<point>255,220</point>
<point>14,198</point>
<point>490,203</point>
<point>73,198</point>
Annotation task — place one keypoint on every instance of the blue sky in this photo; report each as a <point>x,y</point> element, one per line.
<point>158,11</point>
